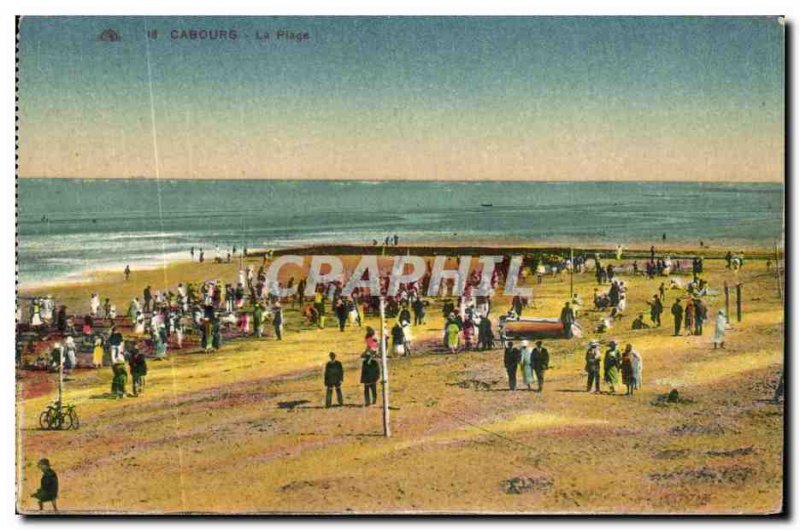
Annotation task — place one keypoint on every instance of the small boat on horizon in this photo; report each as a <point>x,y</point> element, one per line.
<point>487,204</point>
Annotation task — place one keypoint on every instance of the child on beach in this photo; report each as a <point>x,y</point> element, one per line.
<point>48,487</point>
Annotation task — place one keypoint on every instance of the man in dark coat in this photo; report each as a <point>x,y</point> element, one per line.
<point>277,320</point>
<point>511,360</point>
<point>419,311</point>
<point>147,299</point>
<point>334,376</point>
<point>639,323</point>
<point>699,316</point>
<point>370,374</point>
<point>485,335</point>
<point>540,359</point>
<point>48,487</point>
<point>567,319</point>
<point>592,367</point>
<point>677,314</point>
<point>656,308</point>
<point>138,365</point>
<point>341,313</point>
<point>517,305</point>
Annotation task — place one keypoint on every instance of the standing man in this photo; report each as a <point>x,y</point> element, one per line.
<point>334,376</point>
<point>699,316</point>
<point>370,374</point>
<point>277,320</point>
<point>258,320</point>
<point>138,371</point>
<point>511,360</point>
<point>656,308</point>
<point>540,358</point>
<point>127,272</point>
<point>419,311</point>
<point>567,319</point>
<point>592,368</point>
<point>148,297</point>
<point>119,371</point>
<point>341,313</point>
<point>48,487</point>
<point>677,315</point>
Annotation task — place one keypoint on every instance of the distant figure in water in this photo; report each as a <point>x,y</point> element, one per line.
<point>127,272</point>
<point>191,253</point>
<point>396,240</point>
<point>202,256</point>
<point>664,236</point>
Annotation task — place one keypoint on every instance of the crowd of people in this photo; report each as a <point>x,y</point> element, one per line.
<point>206,314</point>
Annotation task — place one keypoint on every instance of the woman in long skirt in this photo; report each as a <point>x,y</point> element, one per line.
<point>719,329</point>
<point>139,325</point>
<point>611,367</point>
<point>97,353</point>
<point>527,366</point>
<point>452,334</point>
<point>637,365</point>
<point>627,370</point>
<point>688,322</point>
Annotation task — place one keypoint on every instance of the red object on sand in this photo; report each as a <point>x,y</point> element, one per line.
<point>528,329</point>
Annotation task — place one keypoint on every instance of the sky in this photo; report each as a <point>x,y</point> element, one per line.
<point>465,98</point>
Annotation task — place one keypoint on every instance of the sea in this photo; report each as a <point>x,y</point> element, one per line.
<point>69,226</point>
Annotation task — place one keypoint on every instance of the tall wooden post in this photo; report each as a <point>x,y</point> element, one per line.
<point>60,378</point>
<point>738,302</point>
<point>384,373</point>
<point>778,271</point>
<point>727,303</point>
<point>571,271</point>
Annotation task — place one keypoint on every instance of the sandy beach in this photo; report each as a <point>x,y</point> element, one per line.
<point>244,430</point>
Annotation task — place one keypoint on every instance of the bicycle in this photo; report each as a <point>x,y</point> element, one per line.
<point>57,417</point>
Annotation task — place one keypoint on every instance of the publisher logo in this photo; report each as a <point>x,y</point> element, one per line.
<point>109,35</point>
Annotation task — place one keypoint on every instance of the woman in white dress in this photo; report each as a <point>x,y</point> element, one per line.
<point>138,327</point>
<point>95,304</point>
<point>527,367</point>
<point>719,329</point>
<point>636,365</point>
<point>36,309</point>
<point>70,359</point>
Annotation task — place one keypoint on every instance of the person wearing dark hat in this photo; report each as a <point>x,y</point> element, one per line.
<point>611,365</point>
<point>567,319</point>
<point>511,360</point>
<point>138,367</point>
<point>277,320</point>
<point>370,374</point>
<point>656,308</point>
<point>592,368</point>
<point>48,487</point>
<point>677,314</point>
<point>700,313</point>
<point>540,358</point>
<point>334,376</point>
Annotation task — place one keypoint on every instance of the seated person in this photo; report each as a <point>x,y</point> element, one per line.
<point>639,322</point>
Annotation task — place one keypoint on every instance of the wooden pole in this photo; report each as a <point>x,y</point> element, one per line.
<point>571,270</point>
<point>384,373</point>
<point>778,271</point>
<point>60,377</point>
<point>738,302</point>
<point>727,303</point>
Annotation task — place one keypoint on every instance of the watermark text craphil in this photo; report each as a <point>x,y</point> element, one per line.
<point>434,276</point>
